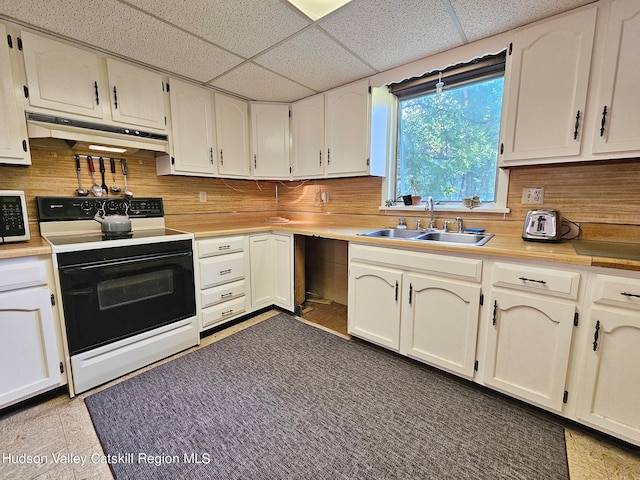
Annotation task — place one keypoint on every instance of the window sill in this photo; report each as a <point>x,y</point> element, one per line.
<point>458,208</point>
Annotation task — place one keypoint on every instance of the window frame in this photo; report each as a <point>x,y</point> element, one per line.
<point>487,66</point>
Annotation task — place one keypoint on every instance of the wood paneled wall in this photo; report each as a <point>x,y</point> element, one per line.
<point>605,193</point>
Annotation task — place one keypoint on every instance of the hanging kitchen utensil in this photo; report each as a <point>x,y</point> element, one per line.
<point>127,193</point>
<point>81,192</point>
<point>95,188</point>
<point>114,187</point>
<point>102,172</point>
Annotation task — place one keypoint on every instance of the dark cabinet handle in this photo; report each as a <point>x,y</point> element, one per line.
<point>320,157</point>
<point>211,155</point>
<point>328,156</point>
<point>596,335</point>
<point>221,158</point>
<point>525,279</point>
<point>575,132</point>
<point>255,162</point>
<point>627,294</point>
<point>95,86</point>
<point>604,120</point>
<point>495,312</point>
<point>396,290</point>
<point>410,293</point>
<point>115,96</point>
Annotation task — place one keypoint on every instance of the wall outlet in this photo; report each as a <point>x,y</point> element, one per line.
<point>203,197</point>
<point>533,196</point>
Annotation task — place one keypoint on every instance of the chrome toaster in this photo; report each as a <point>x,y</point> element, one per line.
<point>542,226</point>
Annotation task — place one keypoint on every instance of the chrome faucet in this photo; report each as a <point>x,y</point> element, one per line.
<point>459,220</point>
<point>430,207</point>
<point>419,224</point>
<point>402,223</point>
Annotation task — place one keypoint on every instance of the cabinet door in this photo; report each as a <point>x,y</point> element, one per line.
<point>232,135</point>
<point>611,379</point>
<point>528,346</point>
<point>28,347</point>
<point>270,141</point>
<point>283,271</point>
<point>62,78</point>
<point>547,89</point>
<point>262,267</point>
<point>136,95</point>
<point>440,322</point>
<point>12,129</point>
<point>307,137</point>
<point>374,304</point>
<point>620,122</point>
<point>192,128</point>
<point>347,130</point>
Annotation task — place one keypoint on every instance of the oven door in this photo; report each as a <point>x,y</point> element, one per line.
<point>114,293</point>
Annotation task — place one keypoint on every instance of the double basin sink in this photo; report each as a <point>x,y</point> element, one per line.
<point>476,239</point>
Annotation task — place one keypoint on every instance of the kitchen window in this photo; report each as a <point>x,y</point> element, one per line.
<point>448,128</point>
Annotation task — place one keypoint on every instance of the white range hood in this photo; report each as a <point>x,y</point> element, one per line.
<point>50,126</point>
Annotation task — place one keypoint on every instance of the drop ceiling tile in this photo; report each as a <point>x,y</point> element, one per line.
<point>245,27</point>
<point>388,33</point>
<point>256,83</point>
<point>126,32</point>
<point>483,18</point>
<point>315,60</point>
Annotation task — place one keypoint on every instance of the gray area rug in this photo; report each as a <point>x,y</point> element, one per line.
<point>285,400</point>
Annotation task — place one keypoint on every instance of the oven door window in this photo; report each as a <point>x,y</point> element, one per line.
<point>118,292</point>
<point>107,301</point>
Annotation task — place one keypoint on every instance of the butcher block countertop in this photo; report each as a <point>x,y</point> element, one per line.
<point>504,246</point>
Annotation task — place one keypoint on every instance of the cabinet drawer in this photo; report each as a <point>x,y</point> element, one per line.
<point>223,311</point>
<point>617,291</point>
<point>219,246</point>
<point>559,283</point>
<point>222,293</point>
<point>221,269</point>
<point>22,274</point>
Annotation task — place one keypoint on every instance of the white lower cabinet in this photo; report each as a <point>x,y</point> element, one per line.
<point>30,349</point>
<point>222,271</point>
<point>610,380</point>
<point>422,305</point>
<point>271,257</point>
<point>529,335</point>
<point>440,322</point>
<point>374,304</point>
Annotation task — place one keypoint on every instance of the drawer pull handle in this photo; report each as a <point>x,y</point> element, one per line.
<point>226,272</point>
<point>495,313</point>
<point>627,294</point>
<point>525,279</point>
<point>224,247</point>
<point>224,295</point>
<point>596,335</point>
<point>228,312</point>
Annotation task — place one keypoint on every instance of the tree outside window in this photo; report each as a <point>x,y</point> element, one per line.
<point>448,141</point>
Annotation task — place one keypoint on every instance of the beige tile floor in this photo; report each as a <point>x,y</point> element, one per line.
<point>62,426</point>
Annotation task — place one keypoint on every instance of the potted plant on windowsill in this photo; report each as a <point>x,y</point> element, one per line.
<point>414,186</point>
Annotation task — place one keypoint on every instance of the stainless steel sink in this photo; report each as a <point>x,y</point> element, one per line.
<point>454,237</point>
<point>430,236</point>
<point>393,233</point>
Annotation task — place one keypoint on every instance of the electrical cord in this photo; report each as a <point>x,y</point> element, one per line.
<point>571,227</point>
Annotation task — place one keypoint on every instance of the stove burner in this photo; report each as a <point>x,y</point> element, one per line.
<point>117,236</point>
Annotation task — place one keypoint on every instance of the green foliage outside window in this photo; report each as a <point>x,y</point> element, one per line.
<point>448,142</point>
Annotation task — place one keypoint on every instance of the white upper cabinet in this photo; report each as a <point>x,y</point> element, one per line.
<point>307,138</point>
<point>13,135</point>
<point>618,104</point>
<point>192,132</point>
<point>136,95</point>
<point>67,79</point>
<point>270,140</point>
<point>347,130</point>
<point>546,89</point>
<point>63,78</point>
<point>232,135</point>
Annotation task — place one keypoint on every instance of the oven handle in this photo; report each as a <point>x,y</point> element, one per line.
<point>125,261</point>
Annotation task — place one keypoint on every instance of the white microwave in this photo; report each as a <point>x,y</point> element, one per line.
<point>14,222</point>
